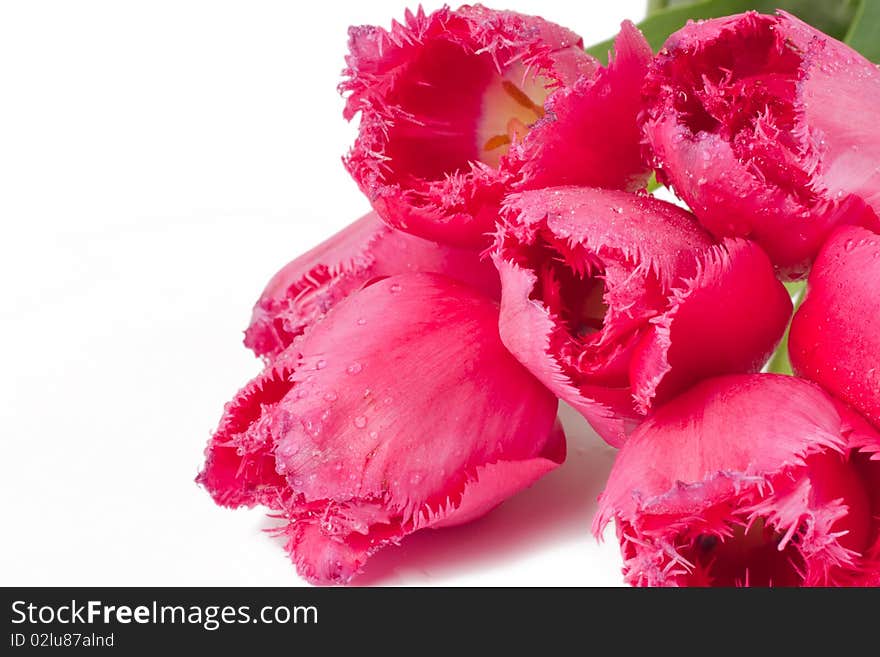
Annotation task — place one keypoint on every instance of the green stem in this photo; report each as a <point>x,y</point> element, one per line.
<point>779,362</point>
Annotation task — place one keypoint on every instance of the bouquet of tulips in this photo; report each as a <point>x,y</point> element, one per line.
<point>514,257</point>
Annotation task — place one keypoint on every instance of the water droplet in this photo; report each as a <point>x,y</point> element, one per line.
<point>354,368</point>
<point>367,392</point>
<point>415,479</point>
<point>849,245</point>
<point>374,434</point>
<point>361,321</point>
<point>330,396</point>
<point>321,364</point>
<point>395,288</point>
<point>302,392</point>
<point>338,467</point>
<point>387,401</point>
<point>360,422</point>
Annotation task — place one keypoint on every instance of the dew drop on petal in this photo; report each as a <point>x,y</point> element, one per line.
<point>321,364</point>
<point>354,368</point>
<point>395,288</point>
<point>361,321</point>
<point>360,422</point>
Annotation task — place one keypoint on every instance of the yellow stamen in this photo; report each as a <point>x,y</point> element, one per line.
<point>516,129</point>
<point>496,142</point>
<point>521,98</point>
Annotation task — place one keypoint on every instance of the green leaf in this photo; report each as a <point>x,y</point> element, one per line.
<point>864,32</point>
<point>658,5</point>
<point>834,17</point>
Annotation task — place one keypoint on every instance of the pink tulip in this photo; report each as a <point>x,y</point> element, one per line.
<point>767,128</point>
<point>399,411</point>
<point>835,335</point>
<point>618,301</point>
<point>748,480</point>
<point>306,288</point>
<point>458,107</point>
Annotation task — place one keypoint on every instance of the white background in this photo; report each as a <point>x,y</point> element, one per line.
<point>158,162</point>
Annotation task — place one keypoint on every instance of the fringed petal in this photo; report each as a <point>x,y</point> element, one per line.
<point>747,480</point>
<point>308,287</point>
<point>590,134</point>
<point>729,318</point>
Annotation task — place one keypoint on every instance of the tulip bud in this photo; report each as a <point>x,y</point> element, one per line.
<point>748,480</point>
<point>617,301</point>
<point>401,410</point>
<point>458,107</point>
<point>767,128</point>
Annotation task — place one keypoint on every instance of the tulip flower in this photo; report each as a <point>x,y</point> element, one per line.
<point>767,128</point>
<point>748,480</point>
<point>835,335</point>
<point>309,286</point>
<point>618,301</point>
<point>400,410</point>
<point>458,107</point>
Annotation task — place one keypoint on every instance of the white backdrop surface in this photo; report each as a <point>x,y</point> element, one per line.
<point>158,162</point>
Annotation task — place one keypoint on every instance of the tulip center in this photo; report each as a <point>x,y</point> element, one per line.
<point>741,86</point>
<point>451,107</point>
<point>757,553</point>
<point>574,295</point>
<point>511,106</point>
<point>753,555</point>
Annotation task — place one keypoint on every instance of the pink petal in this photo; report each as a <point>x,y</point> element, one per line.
<point>745,479</point>
<point>416,417</point>
<point>239,463</point>
<point>306,288</point>
<point>750,119</point>
<point>729,318</point>
<point>590,135</point>
<point>835,335</point>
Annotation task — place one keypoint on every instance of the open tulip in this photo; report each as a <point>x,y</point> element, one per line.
<point>309,286</point>
<point>767,128</point>
<point>618,301</point>
<point>748,480</point>
<point>458,107</point>
<point>400,410</point>
<point>835,335</point>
